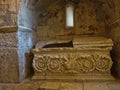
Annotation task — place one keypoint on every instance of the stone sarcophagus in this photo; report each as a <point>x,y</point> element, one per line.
<point>83,58</point>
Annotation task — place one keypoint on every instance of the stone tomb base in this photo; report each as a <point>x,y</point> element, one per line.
<point>87,59</point>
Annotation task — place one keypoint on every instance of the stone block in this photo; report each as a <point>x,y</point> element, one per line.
<point>9,64</point>
<point>9,67</point>
<point>14,44</point>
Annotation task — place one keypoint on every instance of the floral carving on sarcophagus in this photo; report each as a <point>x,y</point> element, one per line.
<point>103,62</point>
<point>54,63</point>
<point>73,63</point>
<point>49,63</point>
<point>87,58</point>
<point>86,62</point>
<point>40,64</point>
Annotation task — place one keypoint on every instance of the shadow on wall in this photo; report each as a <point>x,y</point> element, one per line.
<point>28,67</point>
<point>115,53</point>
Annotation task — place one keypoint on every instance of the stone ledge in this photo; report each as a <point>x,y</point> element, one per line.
<point>58,85</point>
<point>75,78</point>
<point>8,29</point>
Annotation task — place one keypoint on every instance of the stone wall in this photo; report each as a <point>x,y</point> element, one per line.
<point>51,21</point>
<point>15,43</point>
<point>8,12</point>
<point>113,30</point>
<point>15,56</point>
<point>9,69</point>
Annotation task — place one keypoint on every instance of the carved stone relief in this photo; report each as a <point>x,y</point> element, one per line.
<point>73,63</point>
<point>92,57</point>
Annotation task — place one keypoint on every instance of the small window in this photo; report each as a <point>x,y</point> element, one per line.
<point>69,15</point>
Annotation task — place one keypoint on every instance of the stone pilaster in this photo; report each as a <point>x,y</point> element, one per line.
<point>15,43</point>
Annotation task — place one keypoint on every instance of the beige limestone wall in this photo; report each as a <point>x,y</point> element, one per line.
<point>8,12</point>
<point>51,21</point>
<point>15,56</point>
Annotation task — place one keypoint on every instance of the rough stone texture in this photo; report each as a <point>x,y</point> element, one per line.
<point>15,60</point>
<point>52,21</point>
<point>58,85</point>
<point>88,59</point>
<point>9,65</point>
<point>95,86</point>
<point>50,17</point>
<point>8,12</point>
<point>9,57</point>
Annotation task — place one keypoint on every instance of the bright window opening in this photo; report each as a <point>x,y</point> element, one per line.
<point>69,16</point>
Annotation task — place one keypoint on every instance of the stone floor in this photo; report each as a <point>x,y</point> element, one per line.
<point>59,85</point>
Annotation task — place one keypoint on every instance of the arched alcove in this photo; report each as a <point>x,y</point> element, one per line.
<point>48,18</point>
<point>45,20</point>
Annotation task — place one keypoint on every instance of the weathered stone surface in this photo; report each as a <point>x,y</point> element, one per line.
<point>95,86</point>
<point>71,86</point>
<point>9,65</point>
<point>113,85</point>
<point>8,12</point>
<point>86,60</point>
<point>15,58</point>
<point>8,40</point>
<point>50,85</point>
<point>58,85</point>
<point>87,20</point>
